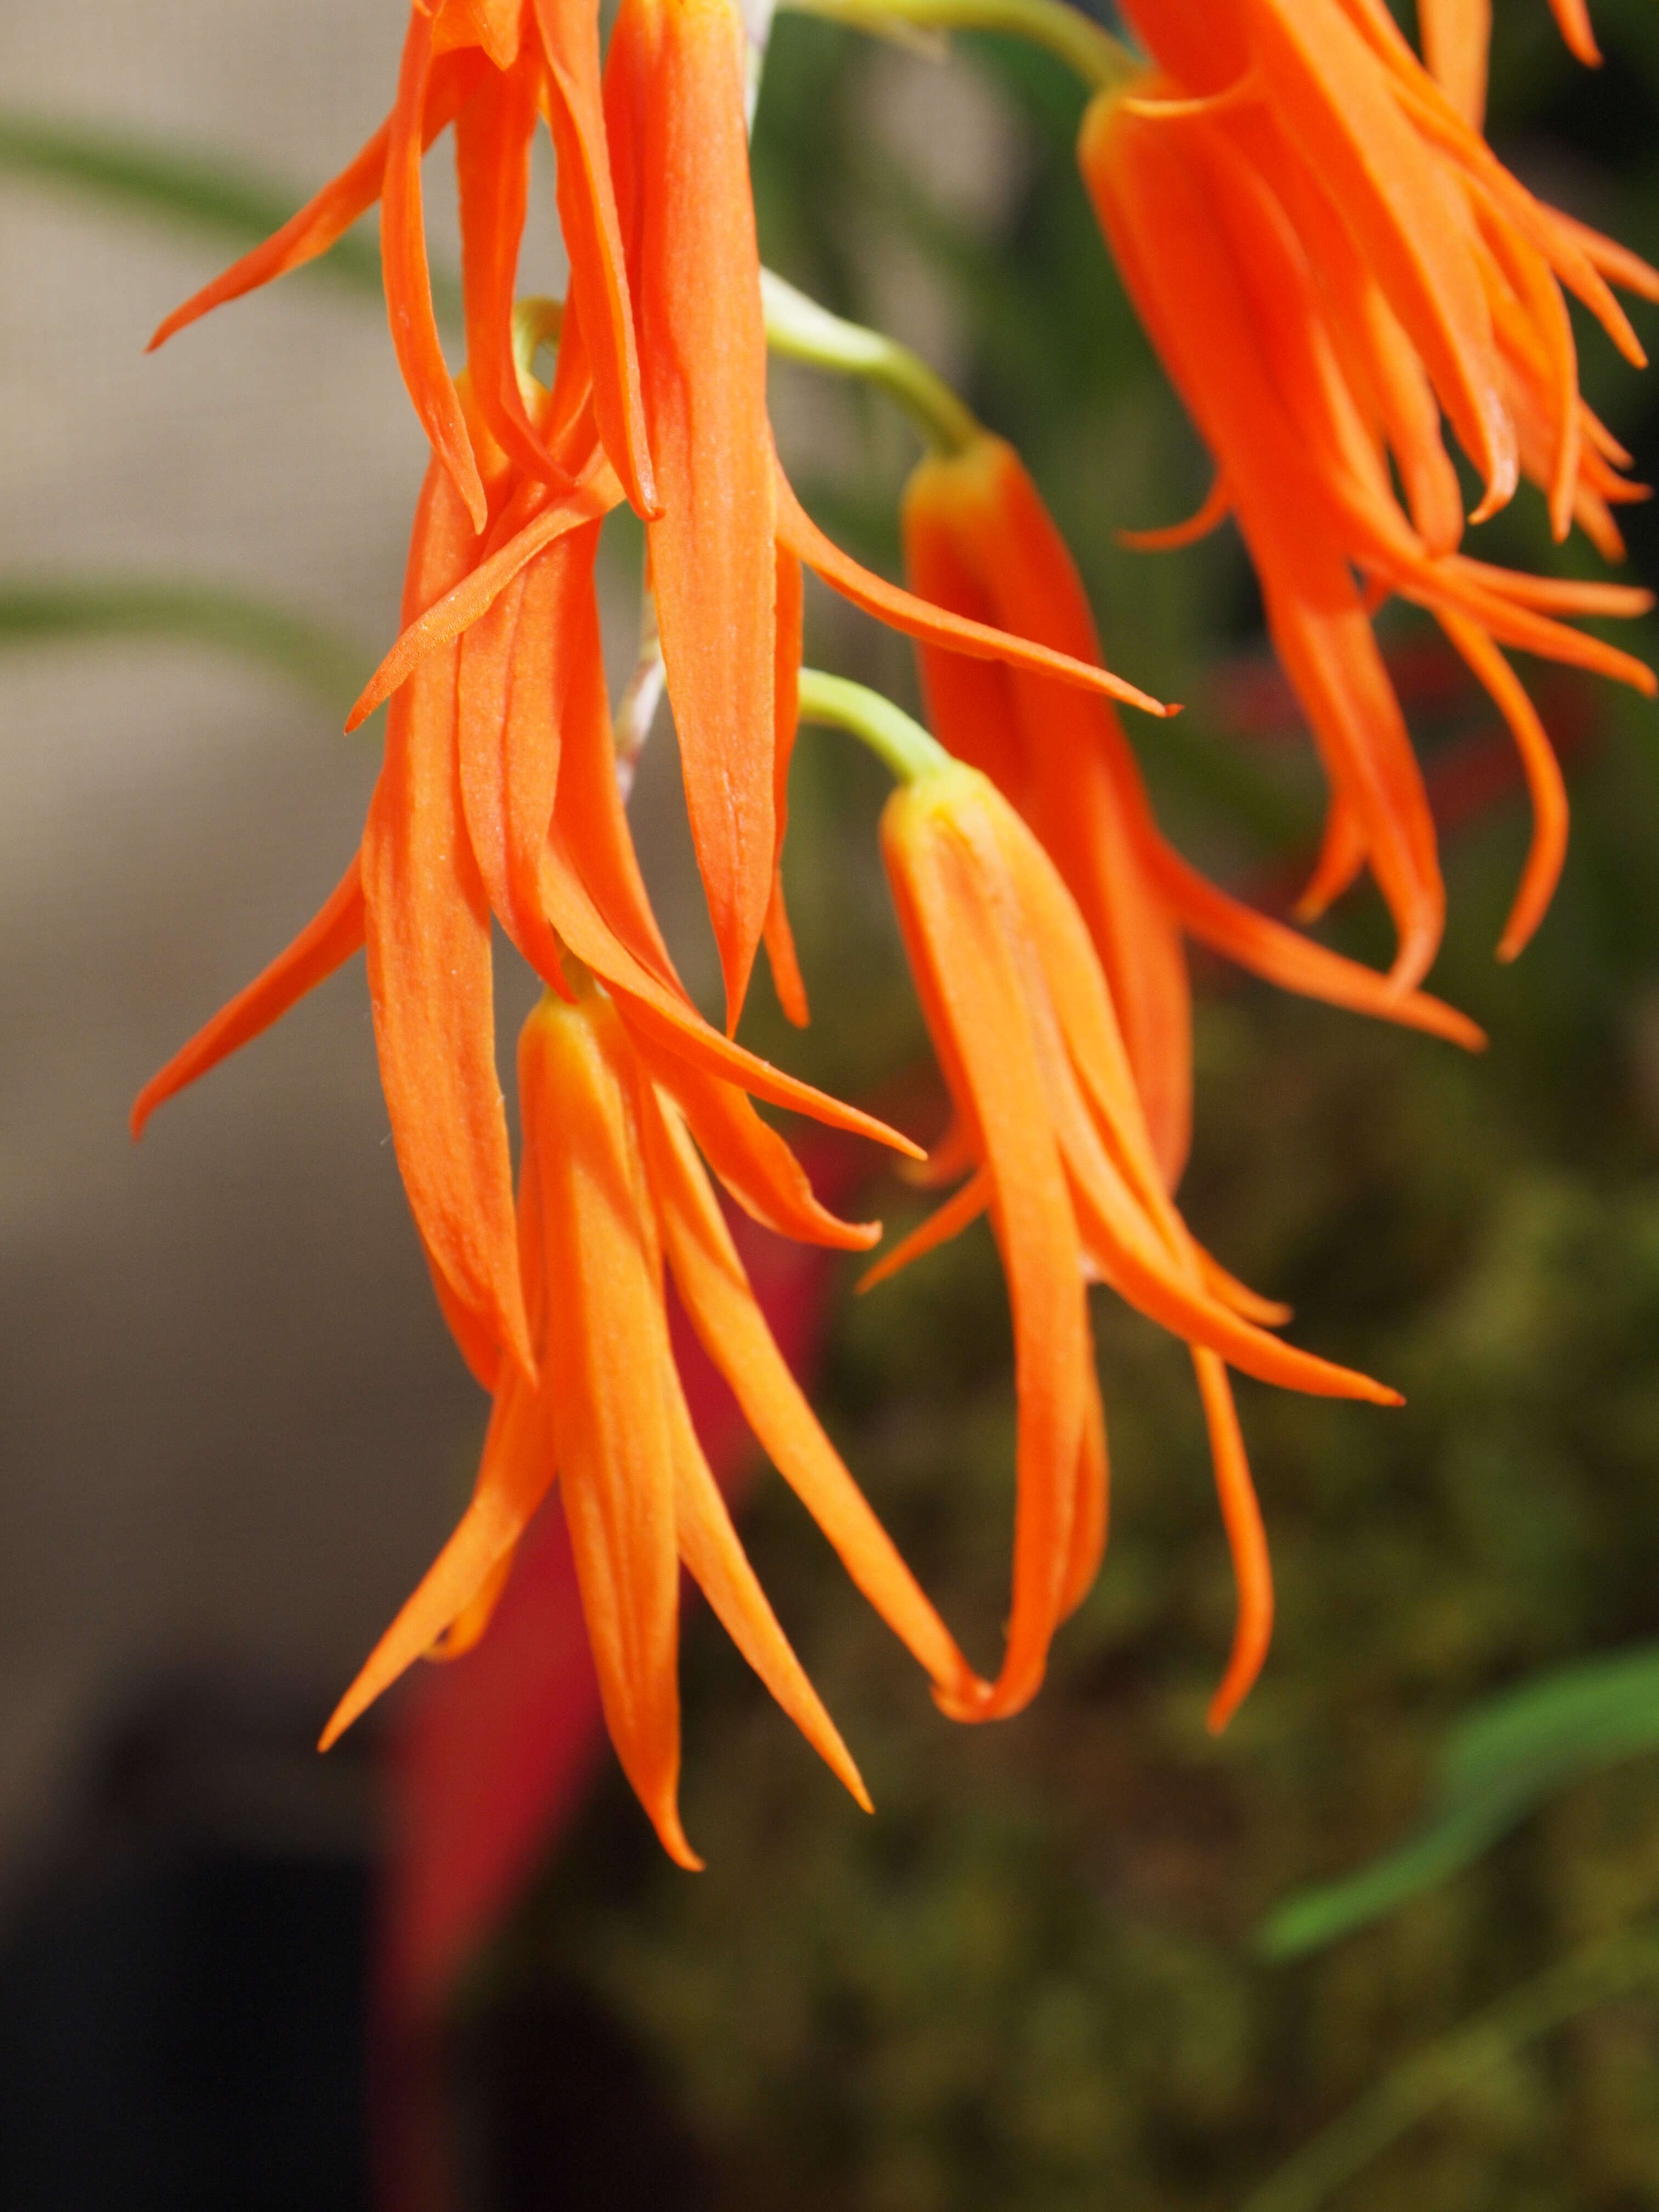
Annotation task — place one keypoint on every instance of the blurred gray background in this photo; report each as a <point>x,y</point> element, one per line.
<point>232,1427</point>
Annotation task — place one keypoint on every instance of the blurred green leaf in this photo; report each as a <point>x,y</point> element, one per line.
<point>192,190</point>
<point>44,611</point>
<point>1614,1967</point>
<point>1505,1758</point>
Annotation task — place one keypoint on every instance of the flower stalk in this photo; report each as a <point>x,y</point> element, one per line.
<point>798,328</point>
<point>1098,59</point>
<point>897,741</point>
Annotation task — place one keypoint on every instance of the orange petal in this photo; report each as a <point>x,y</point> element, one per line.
<point>1573,17</point>
<point>592,237</point>
<point>723,1310</point>
<point>709,1545</point>
<point>666,1017</point>
<point>889,604</point>
<point>611,1371</point>
<point>1346,125</point>
<point>1246,1537</point>
<point>1297,962</point>
<point>428,935</point>
<point>959,1211</point>
<point>748,1155</point>
<point>493,135</point>
<point>476,589</point>
<point>1548,850</point>
<point>1133,1233</point>
<point>951,932</point>
<point>515,1474</point>
<point>1090,1514</point>
<point>467,1630</point>
<point>1216,507</point>
<point>674,102</point>
<point>777,936</point>
<point>1457,35</point>
<point>332,212</point>
<point>408,281</point>
<point>1071,774</point>
<point>324,945</point>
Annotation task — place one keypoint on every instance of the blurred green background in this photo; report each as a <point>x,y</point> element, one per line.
<point>1030,1981</point>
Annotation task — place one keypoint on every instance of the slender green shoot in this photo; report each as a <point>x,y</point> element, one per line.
<point>38,610</point>
<point>1100,60</point>
<point>798,328</point>
<point>899,743</point>
<point>1616,1966</point>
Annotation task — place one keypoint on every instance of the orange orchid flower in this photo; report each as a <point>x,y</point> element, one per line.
<point>497,796</point>
<point>1308,354</point>
<point>978,538</point>
<point>611,1190</point>
<point>661,395</point>
<point>1050,1121</point>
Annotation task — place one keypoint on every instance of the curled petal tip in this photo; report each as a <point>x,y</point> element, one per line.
<point>1224,1703</point>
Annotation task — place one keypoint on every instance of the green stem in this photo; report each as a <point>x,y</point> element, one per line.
<point>1098,59</point>
<point>1612,1968</point>
<point>799,330</point>
<point>897,741</point>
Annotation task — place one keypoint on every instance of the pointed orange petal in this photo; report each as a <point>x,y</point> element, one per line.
<point>611,1371</point>
<point>515,1474</point>
<point>723,1310</point>
<point>593,236</point>
<point>1269,1312</point>
<point>429,979</point>
<point>1213,510</point>
<point>1246,1537</point>
<point>1297,962</point>
<point>674,102</point>
<point>666,1017</point>
<point>493,135</point>
<point>1133,1233</point>
<point>408,281</point>
<point>777,936</point>
<point>1548,850</point>
<point>324,945</point>
<point>1457,35</point>
<point>950,932</point>
<point>1090,1514</point>
<point>748,1155</point>
<point>709,1545</point>
<point>1573,17</point>
<point>468,1629</point>
<point>332,213</point>
<point>1347,126</point>
<point>476,589</point>
<point>890,604</point>
<point>959,1211</point>
<point>452,1606</point>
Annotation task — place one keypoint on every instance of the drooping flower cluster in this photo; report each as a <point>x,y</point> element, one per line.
<point>1329,259</point>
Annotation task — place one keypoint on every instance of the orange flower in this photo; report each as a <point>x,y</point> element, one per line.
<point>611,1188</point>
<point>726,549</point>
<point>978,538</point>
<point>498,795</point>
<point>661,394</point>
<point>1049,1121</point>
<point>1327,256</point>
